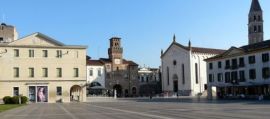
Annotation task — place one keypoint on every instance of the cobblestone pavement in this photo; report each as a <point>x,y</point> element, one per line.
<point>144,109</point>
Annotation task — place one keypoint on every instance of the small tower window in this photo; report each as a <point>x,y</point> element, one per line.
<point>255,29</point>
<point>259,18</point>
<point>260,28</point>
<point>255,18</point>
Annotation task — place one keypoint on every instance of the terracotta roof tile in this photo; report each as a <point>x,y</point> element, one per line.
<point>94,63</point>
<point>207,50</point>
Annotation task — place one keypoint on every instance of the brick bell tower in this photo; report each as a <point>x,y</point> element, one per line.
<point>115,51</point>
<point>255,23</point>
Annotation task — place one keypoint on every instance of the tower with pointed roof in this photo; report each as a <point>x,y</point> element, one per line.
<point>255,23</point>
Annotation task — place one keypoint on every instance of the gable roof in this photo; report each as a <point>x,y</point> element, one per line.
<point>195,49</point>
<point>244,49</point>
<point>45,37</point>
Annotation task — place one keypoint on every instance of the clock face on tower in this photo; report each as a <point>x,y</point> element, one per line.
<point>117,61</point>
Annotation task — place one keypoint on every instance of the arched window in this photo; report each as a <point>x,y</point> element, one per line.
<point>259,28</point>
<point>255,28</point>
<point>254,18</point>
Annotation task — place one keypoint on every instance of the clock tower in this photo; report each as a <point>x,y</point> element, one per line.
<point>115,51</point>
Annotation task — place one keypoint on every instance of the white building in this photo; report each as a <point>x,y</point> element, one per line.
<point>184,69</point>
<point>95,76</point>
<point>244,71</point>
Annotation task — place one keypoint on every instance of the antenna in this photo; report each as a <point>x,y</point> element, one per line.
<point>3,18</point>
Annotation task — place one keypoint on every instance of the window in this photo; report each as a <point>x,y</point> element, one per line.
<point>99,72</point>
<point>259,28</point>
<point>255,29</point>
<point>59,72</point>
<point>45,53</point>
<point>196,73</point>
<point>254,18</point>
<point>220,77</point>
<point>259,18</point>
<point>1,38</point>
<point>219,64</point>
<point>234,64</point>
<point>241,62</point>
<point>174,62</point>
<point>227,64</point>
<point>16,72</point>
<point>265,72</point>
<point>44,72</point>
<point>16,53</point>
<point>210,65</point>
<point>31,53</point>
<point>227,77</point>
<point>59,91</point>
<point>59,53</point>
<point>211,78</point>
<point>234,77</point>
<point>183,74</point>
<point>252,74</point>
<point>242,76</point>
<point>251,59</point>
<point>91,72</point>
<point>15,91</point>
<point>168,76</point>
<point>76,72</point>
<point>31,72</point>
<point>265,57</point>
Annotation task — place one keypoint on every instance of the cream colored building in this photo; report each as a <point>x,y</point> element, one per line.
<point>41,68</point>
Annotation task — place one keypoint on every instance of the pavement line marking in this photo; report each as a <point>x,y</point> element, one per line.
<point>132,112</point>
<point>68,112</point>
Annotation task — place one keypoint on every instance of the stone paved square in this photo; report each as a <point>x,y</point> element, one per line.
<point>144,109</point>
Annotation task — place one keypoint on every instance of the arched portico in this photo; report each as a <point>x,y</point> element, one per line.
<point>76,93</point>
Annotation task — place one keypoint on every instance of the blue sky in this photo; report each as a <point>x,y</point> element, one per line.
<point>145,26</point>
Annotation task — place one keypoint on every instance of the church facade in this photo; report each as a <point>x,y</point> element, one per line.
<point>184,69</point>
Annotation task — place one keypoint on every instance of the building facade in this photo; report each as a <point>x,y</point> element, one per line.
<point>150,81</point>
<point>243,71</point>
<point>120,74</point>
<point>184,69</point>
<point>95,77</point>
<point>41,68</point>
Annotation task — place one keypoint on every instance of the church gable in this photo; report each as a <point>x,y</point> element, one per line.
<point>175,50</point>
<point>37,39</point>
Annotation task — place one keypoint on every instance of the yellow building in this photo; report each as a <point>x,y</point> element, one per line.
<point>41,68</point>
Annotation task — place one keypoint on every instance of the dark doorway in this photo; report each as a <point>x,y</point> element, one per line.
<point>134,91</point>
<point>118,89</point>
<point>175,86</point>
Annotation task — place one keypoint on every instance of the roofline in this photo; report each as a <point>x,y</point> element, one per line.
<point>51,47</point>
<point>238,54</point>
